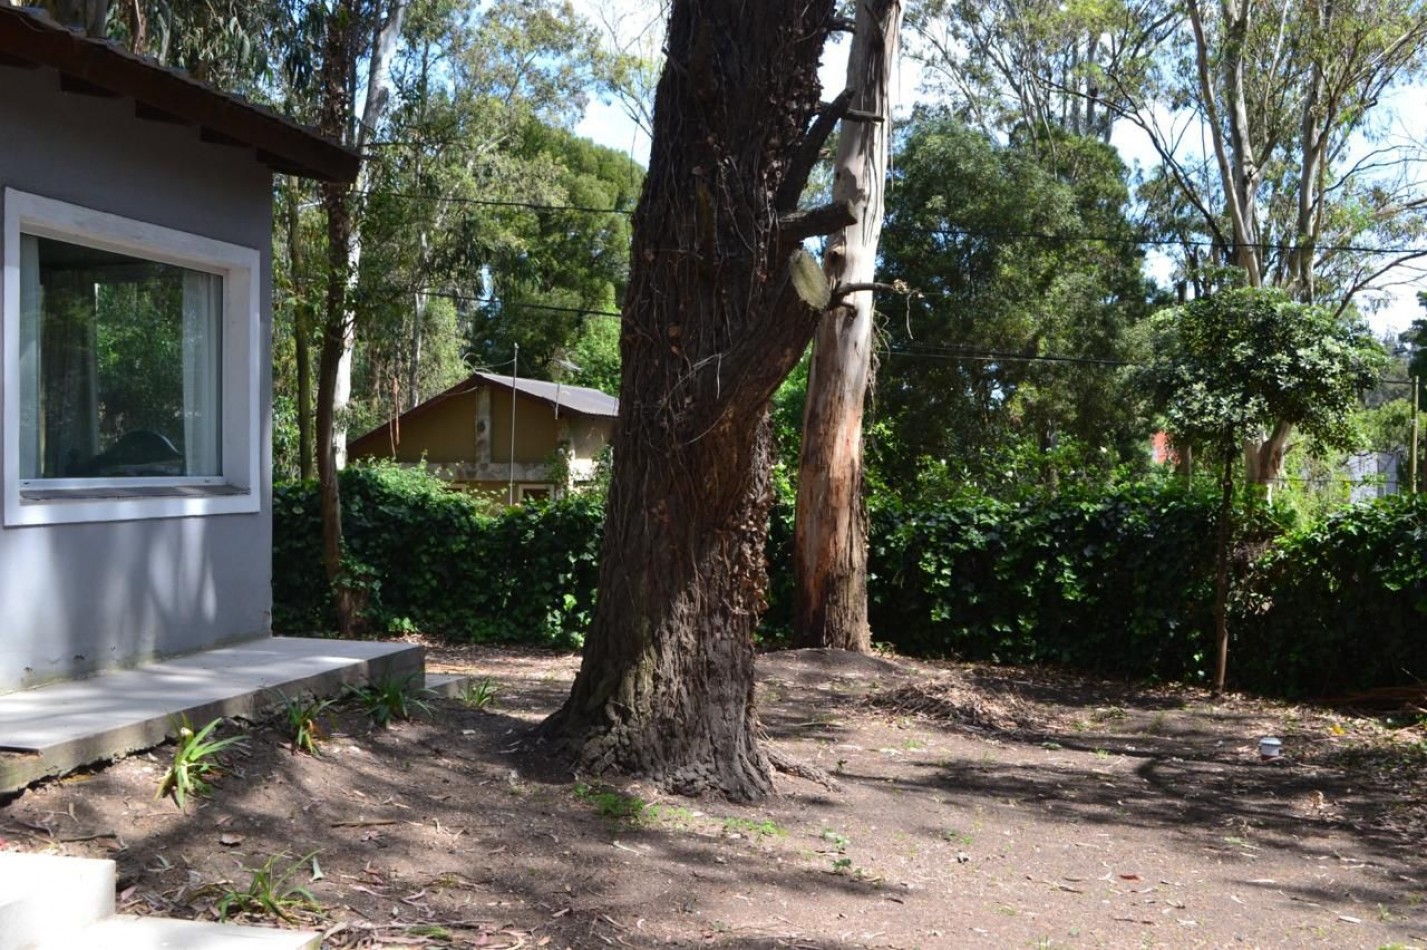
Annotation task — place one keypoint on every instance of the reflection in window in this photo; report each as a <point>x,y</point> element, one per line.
<point>119,365</point>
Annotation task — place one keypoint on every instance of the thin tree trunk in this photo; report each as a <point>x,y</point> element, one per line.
<point>1237,171</point>
<point>830,524</point>
<point>378,94</point>
<point>722,302</point>
<point>1221,573</point>
<point>302,337</point>
<point>336,64</point>
<point>418,319</point>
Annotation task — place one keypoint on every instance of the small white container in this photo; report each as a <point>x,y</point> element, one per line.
<point>1270,748</point>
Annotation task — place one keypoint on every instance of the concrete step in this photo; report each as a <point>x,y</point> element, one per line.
<point>153,933</point>
<point>446,685</point>
<point>45,897</point>
<point>55,729</point>
<point>48,902</point>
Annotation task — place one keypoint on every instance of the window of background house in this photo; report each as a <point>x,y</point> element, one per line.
<point>130,368</point>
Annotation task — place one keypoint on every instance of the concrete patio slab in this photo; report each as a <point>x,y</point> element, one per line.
<point>56,729</point>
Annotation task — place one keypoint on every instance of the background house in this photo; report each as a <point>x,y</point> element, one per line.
<point>465,435</point>
<point>136,289</point>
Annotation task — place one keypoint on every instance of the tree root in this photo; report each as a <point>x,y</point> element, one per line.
<point>791,766</point>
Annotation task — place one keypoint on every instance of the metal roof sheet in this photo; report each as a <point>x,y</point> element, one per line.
<point>581,399</point>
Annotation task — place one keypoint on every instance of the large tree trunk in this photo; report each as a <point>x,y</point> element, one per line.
<point>301,333</point>
<point>1263,460</point>
<point>830,526</point>
<point>722,302</point>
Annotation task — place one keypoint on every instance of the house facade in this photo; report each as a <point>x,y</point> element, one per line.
<point>135,381</point>
<point>505,436</point>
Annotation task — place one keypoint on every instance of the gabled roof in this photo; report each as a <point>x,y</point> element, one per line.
<point>580,400</point>
<point>89,66</point>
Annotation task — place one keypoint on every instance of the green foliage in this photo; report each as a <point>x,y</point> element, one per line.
<point>388,700</point>
<point>302,715</point>
<point>271,891</point>
<point>1229,365</point>
<point>1118,580</point>
<point>196,761</point>
<point>431,559</point>
<point>991,238</point>
<point>1340,604</point>
<point>479,694</point>
<point>615,805</point>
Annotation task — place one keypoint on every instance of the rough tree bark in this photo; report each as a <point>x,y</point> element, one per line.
<point>830,524</point>
<point>722,302</point>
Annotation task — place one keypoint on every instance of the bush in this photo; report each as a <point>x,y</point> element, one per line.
<point>1338,605</point>
<point>1118,580</point>
<point>430,559</point>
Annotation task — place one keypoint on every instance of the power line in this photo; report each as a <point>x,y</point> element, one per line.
<point>894,228</point>
<point>471,298</point>
<point>1146,241</point>
<point>491,202</point>
<point>993,356</point>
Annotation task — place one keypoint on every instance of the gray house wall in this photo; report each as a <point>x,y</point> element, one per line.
<point>78,598</point>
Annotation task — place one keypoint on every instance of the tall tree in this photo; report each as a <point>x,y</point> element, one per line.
<point>1283,93</point>
<point>1040,66</point>
<point>1227,364</point>
<point>722,302</point>
<point>1017,251</point>
<point>830,524</point>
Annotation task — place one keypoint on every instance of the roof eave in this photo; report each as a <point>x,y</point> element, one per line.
<point>162,94</point>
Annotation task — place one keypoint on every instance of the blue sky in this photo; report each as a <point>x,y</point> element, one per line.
<point>607,124</point>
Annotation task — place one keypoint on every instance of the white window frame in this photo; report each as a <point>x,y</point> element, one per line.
<point>69,501</point>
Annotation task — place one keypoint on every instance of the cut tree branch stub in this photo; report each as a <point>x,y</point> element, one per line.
<point>797,226</point>
<point>842,291</point>
<point>806,156</point>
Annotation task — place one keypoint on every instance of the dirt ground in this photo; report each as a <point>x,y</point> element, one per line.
<point>974,807</point>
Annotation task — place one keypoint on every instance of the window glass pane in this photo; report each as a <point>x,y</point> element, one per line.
<point>119,365</point>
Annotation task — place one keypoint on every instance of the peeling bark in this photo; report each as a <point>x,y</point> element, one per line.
<point>830,527</point>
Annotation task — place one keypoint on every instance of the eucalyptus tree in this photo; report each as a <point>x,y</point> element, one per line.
<point>1300,186</point>
<point>481,197</point>
<point>830,523</point>
<point>1038,65</point>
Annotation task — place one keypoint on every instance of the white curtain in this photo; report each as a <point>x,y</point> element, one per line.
<point>30,299</point>
<point>202,373</point>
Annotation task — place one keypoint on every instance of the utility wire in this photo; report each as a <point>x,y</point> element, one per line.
<point>894,228</point>
<point>490,202</point>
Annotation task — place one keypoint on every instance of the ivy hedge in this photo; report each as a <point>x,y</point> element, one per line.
<point>1338,605</point>
<point>429,559</point>
<point>1117,581</point>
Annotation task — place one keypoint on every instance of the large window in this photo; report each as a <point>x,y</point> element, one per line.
<point>130,368</point>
